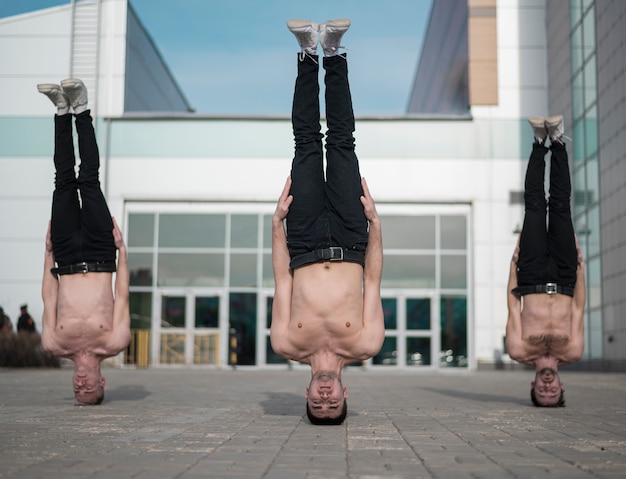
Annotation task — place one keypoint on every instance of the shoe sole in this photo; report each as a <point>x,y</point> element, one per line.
<point>537,121</point>
<point>554,121</point>
<point>338,23</point>
<point>71,83</point>
<point>48,87</point>
<point>298,25</point>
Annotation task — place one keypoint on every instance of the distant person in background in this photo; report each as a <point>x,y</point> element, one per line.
<point>25,322</point>
<point>546,289</point>
<point>83,318</point>
<point>5,322</point>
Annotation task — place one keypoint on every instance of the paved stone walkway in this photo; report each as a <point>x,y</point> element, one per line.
<point>191,423</point>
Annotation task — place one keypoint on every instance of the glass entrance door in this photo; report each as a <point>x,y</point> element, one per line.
<point>188,330</point>
<point>424,330</point>
<point>410,334</point>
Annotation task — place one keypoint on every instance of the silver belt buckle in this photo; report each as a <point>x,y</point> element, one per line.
<point>83,268</point>
<point>333,249</point>
<point>551,288</point>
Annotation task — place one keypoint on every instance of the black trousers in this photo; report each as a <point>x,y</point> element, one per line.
<point>547,253</point>
<point>80,230</point>
<point>326,209</point>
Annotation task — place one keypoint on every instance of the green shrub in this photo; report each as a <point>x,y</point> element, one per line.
<point>24,350</point>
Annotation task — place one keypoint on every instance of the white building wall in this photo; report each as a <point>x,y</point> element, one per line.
<point>476,162</point>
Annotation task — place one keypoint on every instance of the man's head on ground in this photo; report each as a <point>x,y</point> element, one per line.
<point>547,389</point>
<point>88,386</point>
<point>326,399</point>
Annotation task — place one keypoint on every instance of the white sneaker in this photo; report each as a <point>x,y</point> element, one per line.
<point>76,91</point>
<point>56,95</point>
<point>538,124</point>
<point>307,34</point>
<point>555,127</point>
<point>331,33</point>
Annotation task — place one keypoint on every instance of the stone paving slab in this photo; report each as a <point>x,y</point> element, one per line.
<point>193,423</point>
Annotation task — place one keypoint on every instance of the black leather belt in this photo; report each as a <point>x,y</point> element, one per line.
<point>334,253</point>
<point>95,267</point>
<point>548,288</point>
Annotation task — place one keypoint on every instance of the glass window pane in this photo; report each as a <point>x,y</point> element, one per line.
<point>418,313</point>
<point>594,283</point>
<point>453,331</point>
<point>409,271</point>
<point>418,351</point>
<point>591,173</point>
<point>272,357</point>
<point>408,232</point>
<point>589,33</point>
<point>268,272</point>
<point>577,95</point>
<point>207,311</point>
<point>140,229</point>
<point>591,133</point>
<point>178,269</point>
<point>578,138</point>
<point>242,315</point>
<point>140,269</point>
<point>577,48</point>
<point>173,311</point>
<point>575,12</point>
<point>390,312</point>
<point>269,302</point>
<point>594,344</point>
<point>454,271</point>
<point>244,231</point>
<point>192,231</point>
<point>388,353</point>
<point>267,231</point>
<point>172,349</point>
<point>243,270</point>
<point>579,186</point>
<point>453,232</point>
<point>140,306</point>
<point>593,225</point>
<point>205,349</point>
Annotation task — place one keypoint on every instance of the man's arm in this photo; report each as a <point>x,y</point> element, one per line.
<point>283,279</point>
<point>514,343</point>
<point>121,312</point>
<point>373,316</point>
<point>49,294</point>
<point>577,340</point>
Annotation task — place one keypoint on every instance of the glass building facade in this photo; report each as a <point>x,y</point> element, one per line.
<point>585,170</point>
<point>202,284</point>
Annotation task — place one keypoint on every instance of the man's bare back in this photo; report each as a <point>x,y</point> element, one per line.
<point>327,310</point>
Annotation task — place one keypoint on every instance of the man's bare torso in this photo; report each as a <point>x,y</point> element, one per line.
<point>84,314</point>
<point>547,325</point>
<point>327,310</point>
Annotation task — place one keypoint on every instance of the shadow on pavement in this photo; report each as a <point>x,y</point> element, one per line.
<point>482,397</point>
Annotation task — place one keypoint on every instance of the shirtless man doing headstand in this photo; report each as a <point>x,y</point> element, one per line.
<point>83,318</point>
<point>327,309</point>
<point>546,289</point>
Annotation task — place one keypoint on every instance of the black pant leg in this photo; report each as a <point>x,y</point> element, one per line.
<point>343,178</point>
<point>307,169</point>
<point>65,217</point>
<point>533,256</point>
<point>561,240</point>
<point>97,225</point>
